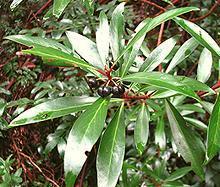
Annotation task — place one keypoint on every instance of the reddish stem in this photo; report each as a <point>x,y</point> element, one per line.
<point>208,13</point>
<point>108,72</point>
<point>41,9</point>
<point>101,72</point>
<point>154,4</point>
<point>135,97</point>
<point>160,68</point>
<point>214,87</point>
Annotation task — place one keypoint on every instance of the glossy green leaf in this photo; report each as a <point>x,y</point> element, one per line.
<point>86,48</point>
<point>148,171</point>
<point>207,106</point>
<point>157,56</point>
<point>183,52</point>
<point>33,41</point>
<point>162,80</point>
<point>111,151</point>
<point>199,34</point>
<point>141,131</point>
<point>56,57</point>
<point>59,6</point>
<point>163,94</point>
<point>117,30</point>
<point>204,66</point>
<point>2,106</point>
<point>213,135</point>
<point>194,84</point>
<point>132,53</point>
<point>53,109</point>
<point>83,135</point>
<point>103,37</point>
<point>15,3</point>
<point>160,136</point>
<point>179,173</point>
<point>191,107</point>
<point>195,122</point>
<point>170,14</point>
<point>188,143</point>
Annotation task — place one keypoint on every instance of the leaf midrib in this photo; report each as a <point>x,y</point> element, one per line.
<point>91,121</point>
<point>191,155</point>
<point>180,90</point>
<point>113,145</point>
<point>215,134</point>
<point>63,58</point>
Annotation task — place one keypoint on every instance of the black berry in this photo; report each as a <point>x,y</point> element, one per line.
<point>121,89</point>
<point>117,91</point>
<point>104,91</point>
<point>92,82</point>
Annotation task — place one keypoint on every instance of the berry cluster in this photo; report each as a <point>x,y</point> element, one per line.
<point>105,88</point>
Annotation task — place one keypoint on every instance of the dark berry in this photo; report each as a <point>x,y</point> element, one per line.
<point>121,89</point>
<point>104,91</point>
<point>117,91</point>
<point>92,82</point>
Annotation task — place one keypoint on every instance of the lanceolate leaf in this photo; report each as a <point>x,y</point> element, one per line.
<point>53,109</point>
<point>196,123</point>
<point>155,22</point>
<point>102,37</point>
<point>213,135</point>
<point>33,41</point>
<point>117,30</point>
<point>134,51</point>
<point>183,52</point>
<point>160,137</point>
<point>157,56</point>
<point>188,144</point>
<point>204,66</point>
<point>2,106</point>
<point>111,151</point>
<point>179,173</point>
<point>141,130</point>
<point>207,106</point>
<point>200,35</point>
<point>83,135</point>
<point>59,6</point>
<point>15,3</point>
<point>162,80</point>
<point>194,84</point>
<point>56,57</point>
<point>86,48</point>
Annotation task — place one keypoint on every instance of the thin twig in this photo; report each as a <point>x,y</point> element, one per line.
<point>214,87</point>
<point>160,68</point>
<point>154,4</point>
<point>208,13</point>
<point>39,169</point>
<point>41,9</point>
<point>135,97</point>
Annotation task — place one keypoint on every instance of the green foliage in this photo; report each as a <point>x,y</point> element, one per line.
<point>134,137</point>
<point>7,178</point>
